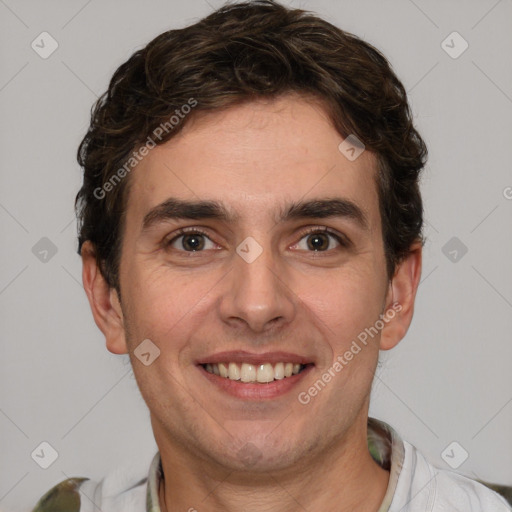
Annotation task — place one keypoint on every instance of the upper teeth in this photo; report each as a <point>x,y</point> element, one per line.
<point>254,372</point>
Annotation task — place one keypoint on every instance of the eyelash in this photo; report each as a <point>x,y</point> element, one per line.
<point>342,240</point>
<point>185,231</point>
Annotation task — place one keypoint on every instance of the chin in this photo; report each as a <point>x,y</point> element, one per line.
<point>260,453</point>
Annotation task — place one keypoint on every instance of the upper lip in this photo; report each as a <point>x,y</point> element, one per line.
<point>242,356</point>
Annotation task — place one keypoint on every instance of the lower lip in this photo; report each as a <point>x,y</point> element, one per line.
<point>256,391</point>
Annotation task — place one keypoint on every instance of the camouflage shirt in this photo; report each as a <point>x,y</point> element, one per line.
<point>414,485</point>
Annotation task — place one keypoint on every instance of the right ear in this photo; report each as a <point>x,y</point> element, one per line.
<point>104,302</point>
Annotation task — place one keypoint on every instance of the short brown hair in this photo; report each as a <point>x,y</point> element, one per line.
<point>239,53</point>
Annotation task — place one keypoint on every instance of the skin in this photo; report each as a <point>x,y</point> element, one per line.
<point>220,452</point>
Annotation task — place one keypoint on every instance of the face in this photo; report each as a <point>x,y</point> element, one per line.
<point>270,277</point>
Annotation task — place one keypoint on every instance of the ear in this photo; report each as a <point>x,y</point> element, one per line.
<point>104,302</point>
<point>400,298</point>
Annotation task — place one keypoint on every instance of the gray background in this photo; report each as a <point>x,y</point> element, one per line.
<point>449,380</point>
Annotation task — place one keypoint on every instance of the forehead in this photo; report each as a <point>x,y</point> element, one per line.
<point>255,157</point>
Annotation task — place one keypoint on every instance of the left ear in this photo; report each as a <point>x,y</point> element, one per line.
<point>400,298</point>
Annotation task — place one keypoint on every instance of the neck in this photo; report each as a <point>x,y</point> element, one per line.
<point>343,478</point>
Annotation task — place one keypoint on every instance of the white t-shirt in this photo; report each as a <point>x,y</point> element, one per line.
<point>415,485</point>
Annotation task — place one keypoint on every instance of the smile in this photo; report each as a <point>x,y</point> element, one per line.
<point>254,373</point>
<point>251,376</point>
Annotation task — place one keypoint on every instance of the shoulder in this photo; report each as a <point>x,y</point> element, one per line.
<point>116,492</point>
<point>422,486</point>
<point>123,489</point>
<point>455,490</point>
<point>64,497</point>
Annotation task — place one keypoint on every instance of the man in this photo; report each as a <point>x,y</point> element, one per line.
<point>250,229</point>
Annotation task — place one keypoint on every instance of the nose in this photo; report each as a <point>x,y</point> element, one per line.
<point>256,296</point>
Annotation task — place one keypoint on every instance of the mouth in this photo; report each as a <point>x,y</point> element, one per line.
<point>263,373</point>
<point>255,376</point>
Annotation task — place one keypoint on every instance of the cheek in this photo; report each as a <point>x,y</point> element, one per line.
<point>165,305</point>
<point>346,302</point>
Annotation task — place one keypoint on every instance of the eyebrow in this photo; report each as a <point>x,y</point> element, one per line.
<point>173,208</point>
<point>326,208</point>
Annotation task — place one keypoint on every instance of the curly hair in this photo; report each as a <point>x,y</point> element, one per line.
<point>242,52</point>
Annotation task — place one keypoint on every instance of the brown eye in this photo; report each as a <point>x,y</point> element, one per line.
<point>320,240</point>
<point>191,242</point>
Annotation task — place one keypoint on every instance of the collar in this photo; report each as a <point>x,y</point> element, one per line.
<point>385,446</point>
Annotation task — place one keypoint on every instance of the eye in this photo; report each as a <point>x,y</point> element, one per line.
<point>320,240</point>
<point>191,241</point>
